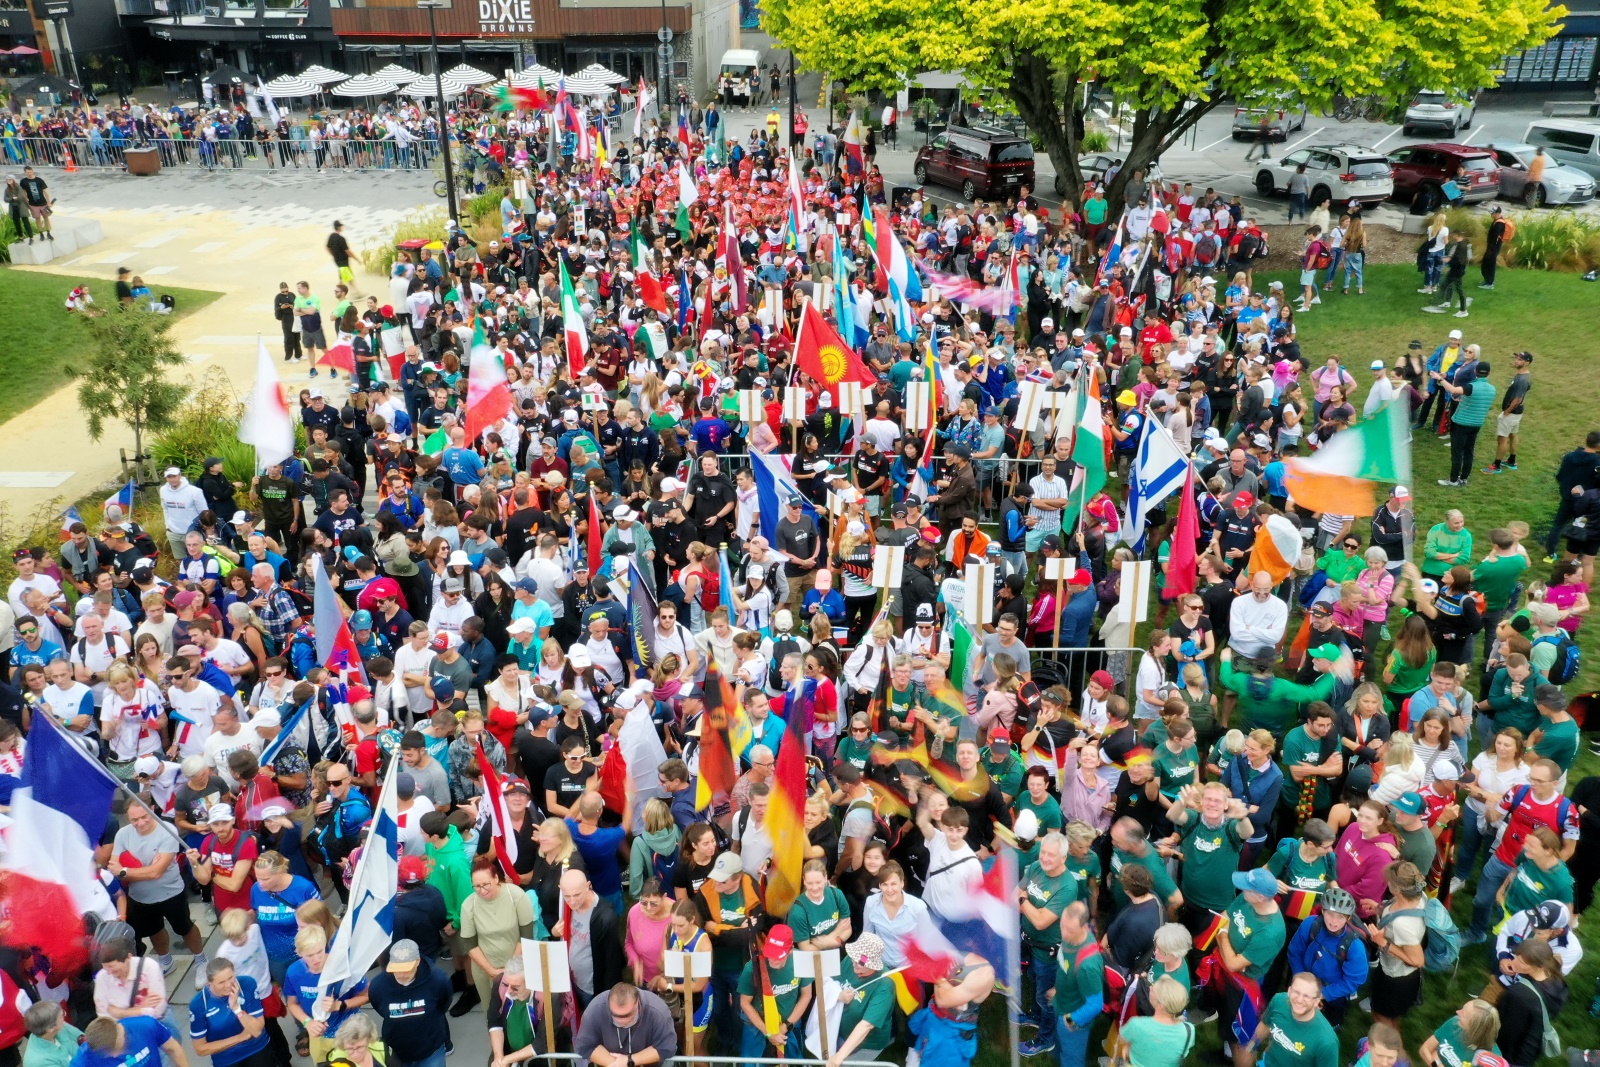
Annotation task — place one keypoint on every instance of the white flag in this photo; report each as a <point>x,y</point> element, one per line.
<point>266,423</point>
<point>368,924</point>
<point>688,192</point>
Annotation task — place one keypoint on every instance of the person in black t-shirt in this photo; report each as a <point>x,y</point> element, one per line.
<point>537,754</point>
<point>1138,797</point>
<point>871,474</point>
<point>565,782</point>
<point>1133,931</point>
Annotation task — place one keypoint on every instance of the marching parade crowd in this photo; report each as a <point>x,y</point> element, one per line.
<point>725,562</point>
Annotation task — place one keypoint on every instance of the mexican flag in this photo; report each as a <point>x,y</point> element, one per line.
<point>1338,477</point>
<point>572,322</point>
<point>688,193</point>
<point>1088,452</point>
<point>644,278</point>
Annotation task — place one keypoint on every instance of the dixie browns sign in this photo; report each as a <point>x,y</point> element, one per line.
<point>505,16</point>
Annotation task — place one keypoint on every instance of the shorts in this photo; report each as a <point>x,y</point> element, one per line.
<point>1506,425</point>
<point>346,275</point>
<point>39,211</point>
<point>313,339</point>
<point>1035,537</point>
<point>1308,277</point>
<point>148,920</point>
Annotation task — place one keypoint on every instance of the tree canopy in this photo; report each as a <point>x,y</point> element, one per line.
<point>1171,60</point>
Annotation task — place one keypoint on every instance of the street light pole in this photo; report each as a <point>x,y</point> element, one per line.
<point>793,148</point>
<point>444,122</point>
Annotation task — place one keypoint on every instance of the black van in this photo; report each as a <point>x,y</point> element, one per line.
<point>978,160</point>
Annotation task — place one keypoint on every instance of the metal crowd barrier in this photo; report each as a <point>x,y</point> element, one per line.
<point>765,1061</point>
<point>232,154</point>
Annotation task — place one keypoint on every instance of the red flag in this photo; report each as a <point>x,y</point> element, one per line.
<point>823,354</point>
<point>650,291</point>
<point>505,841</point>
<point>613,780</point>
<point>341,356</point>
<point>729,240</point>
<point>595,535</point>
<point>488,392</point>
<point>1181,556</point>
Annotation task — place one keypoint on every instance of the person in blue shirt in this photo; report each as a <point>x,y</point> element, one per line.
<point>300,993</point>
<point>1329,946</point>
<point>598,844</point>
<point>227,1021</point>
<point>1273,477</point>
<point>275,896</point>
<point>464,466</point>
<point>571,433</point>
<point>33,648</point>
<point>710,433</point>
<point>824,595</point>
<point>136,1041</point>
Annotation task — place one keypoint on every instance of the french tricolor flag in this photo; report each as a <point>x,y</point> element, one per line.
<point>987,926</point>
<point>58,814</point>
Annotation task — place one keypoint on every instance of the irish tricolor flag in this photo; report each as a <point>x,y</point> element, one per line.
<point>1338,478</point>
<point>1088,452</point>
<point>572,322</point>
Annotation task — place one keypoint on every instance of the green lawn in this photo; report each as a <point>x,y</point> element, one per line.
<point>42,336</point>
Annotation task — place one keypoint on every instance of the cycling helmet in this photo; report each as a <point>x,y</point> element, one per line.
<point>1336,899</point>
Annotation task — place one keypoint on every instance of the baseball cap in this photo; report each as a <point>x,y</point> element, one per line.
<point>523,625</point>
<point>728,865</point>
<point>147,765</point>
<point>579,658</point>
<point>1455,335</point>
<point>999,733</point>
<point>240,517</point>
<point>403,955</point>
<point>1243,499</point>
<point>275,811</point>
<point>1377,364</point>
<point>267,718</point>
<point>1328,651</point>
<point>794,500</point>
<point>1408,804</point>
<point>413,871</point>
<point>780,940</point>
<point>517,785</point>
<point>1400,492</point>
<point>170,471</point>
<point>1445,771</point>
<point>443,640</point>
<point>361,620</point>
<point>1322,610</point>
<point>1103,679</point>
<point>1552,915</point>
<point>220,813</point>
<point>1258,880</point>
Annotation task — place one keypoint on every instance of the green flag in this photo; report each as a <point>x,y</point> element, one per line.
<point>961,641</point>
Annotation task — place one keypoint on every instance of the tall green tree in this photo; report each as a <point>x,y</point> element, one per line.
<point>1172,61</point>
<point>124,377</point>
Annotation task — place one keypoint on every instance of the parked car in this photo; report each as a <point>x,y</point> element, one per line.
<point>1436,108</point>
<point>1570,141</point>
<point>978,160</point>
<point>1338,172</point>
<point>1426,167</point>
<point>1560,184</point>
<point>1283,118</point>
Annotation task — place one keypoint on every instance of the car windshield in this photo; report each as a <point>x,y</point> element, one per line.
<point>1369,168</point>
<point>1480,163</point>
<point>1013,153</point>
<point>1429,98</point>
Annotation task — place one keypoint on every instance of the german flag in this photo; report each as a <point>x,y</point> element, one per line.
<point>1208,936</point>
<point>786,811</point>
<point>717,769</point>
<point>1134,758</point>
<point>880,701</point>
<point>1299,903</point>
<point>907,992</point>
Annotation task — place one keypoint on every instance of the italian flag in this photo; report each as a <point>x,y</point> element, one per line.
<point>688,193</point>
<point>1338,477</point>
<point>572,323</point>
<point>1088,452</point>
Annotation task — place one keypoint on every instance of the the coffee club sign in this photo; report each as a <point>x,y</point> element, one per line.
<point>505,17</point>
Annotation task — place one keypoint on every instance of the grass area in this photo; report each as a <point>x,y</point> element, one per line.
<point>43,337</point>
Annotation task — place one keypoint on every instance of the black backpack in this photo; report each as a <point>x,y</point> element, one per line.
<point>780,648</point>
<point>1346,938</point>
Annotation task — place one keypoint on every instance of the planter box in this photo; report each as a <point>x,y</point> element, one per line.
<point>143,162</point>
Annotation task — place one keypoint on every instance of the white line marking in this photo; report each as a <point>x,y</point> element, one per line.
<point>159,270</point>
<point>1218,141</point>
<point>1388,135</point>
<point>33,479</point>
<point>157,242</point>
<point>1291,147</point>
<point>114,257</point>
<point>253,247</point>
<point>209,246</point>
<point>225,339</point>
<point>1473,134</point>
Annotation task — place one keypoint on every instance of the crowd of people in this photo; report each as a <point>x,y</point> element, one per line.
<point>1244,819</point>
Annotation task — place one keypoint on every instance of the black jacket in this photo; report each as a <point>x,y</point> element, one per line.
<point>1521,1022</point>
<point>917,586</point>
<point>419,914</point>
<point>1387,533</point>
<point>605,942</point>
<point>414,1023</point>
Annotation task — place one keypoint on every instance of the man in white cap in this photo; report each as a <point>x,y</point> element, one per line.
<point>628,530</point>
<point>1382,391</point>
<point>181,505</point>
<point>225,861</point>
<point>160,781</point>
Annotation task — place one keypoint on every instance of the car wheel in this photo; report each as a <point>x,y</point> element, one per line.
<point>1466,120</point>
<point>920,172</point>
<point>1321,193</point>
<point>1533,195</point>
<point>1264,184</point>
<point>969,191</point>
<point>1237,136</point>
<point>1408,131</point>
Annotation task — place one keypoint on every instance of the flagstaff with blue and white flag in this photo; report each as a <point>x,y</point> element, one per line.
<point>1156,473</point>
<point>774,486</point>
<point>368,924</point>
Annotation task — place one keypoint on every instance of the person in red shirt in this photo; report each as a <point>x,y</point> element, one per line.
<point>1155,333</point>
<point>1539,803</point>
<point>225,861</point>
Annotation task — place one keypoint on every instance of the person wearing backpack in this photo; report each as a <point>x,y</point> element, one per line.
<point>1554,654</point>
<point>1330,946</point>
<point>1536,996</point>
<point>1539,803</point>
<point>1396,939</point>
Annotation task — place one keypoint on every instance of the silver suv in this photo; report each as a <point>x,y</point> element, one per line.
<point>1439,110</point>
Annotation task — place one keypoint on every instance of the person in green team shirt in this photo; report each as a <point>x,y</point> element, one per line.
<point>1176,760</point>
<point>312,339</point>
<point>1496,576</point>
<point>899,703</point>
<point>1312,759</point>
<point>999,761</point>
<point>1473,1029</point>
<point>791,994</point>
<point>820,917</point>
<point>1170,954</point>
<point>1045,888</point>
<point>1079,990</point>
<point>1305,862</point>
<point>1083,863</point>
<point>866,1016</point>
<point>1037,799</point>
<point>1251,936</point>
<point>855,747</point>
<point>1212,828</point>
<point>1293,1032</point>
<point>1130,843</point>
<point>1540,875</point>
<point>1268,701</point>
<point>1557,736</point>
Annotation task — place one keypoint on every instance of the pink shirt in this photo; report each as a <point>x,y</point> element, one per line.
<point>1326,380</point>
<point>1360,863</point>
<point>1563,597</point>
<point>1383,586</point>
<point>1078,801</point>
<point>644,941</point>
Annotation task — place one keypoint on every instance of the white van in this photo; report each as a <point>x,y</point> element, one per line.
<point>742,66</point>
<point>1570,141</point>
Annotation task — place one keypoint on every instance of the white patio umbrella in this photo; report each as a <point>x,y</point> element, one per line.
<point>397,75</point>
<point>469,75</point>
<point>292,85</point>
<point>364,85</point>
<point>322,75</point>
<point>529,78</point>
<point>451,85</point>
<point>595,72</point>
<point>584,86</point>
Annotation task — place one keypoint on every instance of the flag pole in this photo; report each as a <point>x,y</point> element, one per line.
<point>385,792</point>
<point>114,780</point>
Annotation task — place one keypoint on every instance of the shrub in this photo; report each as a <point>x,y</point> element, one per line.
<point>486,203</point>
<point>208,425</point>
<point>425,223</point>
<point>1553,240</point>
<point>1094,141</point>
<point>1473,225</point>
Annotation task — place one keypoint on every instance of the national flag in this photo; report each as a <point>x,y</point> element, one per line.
<point>798,705</point>
<point>1299,903</point>
<point>684,145</point>
<point>288,728</point>
<point>122,498</point>
<point>1011,288</point>
<point>336,648</point>
<point>843,304</point>
<point>986,921</point>
<point>572,324</point>
<point>1208,936</point>
<point>725,585</point>
<point>1338,477</point>
<point>786,813</point>
<point>774,486</point>
<point>649,285</point>
<point>1277,547</point>
<point>58,814</point>
<point>340,355</point>
<point>273,114</point>
<point>903,284</point>
<point>488,390</point>
<point>907,992</point>
<point>963,290</point>
<point>685,297</point>
<point>1088,452</point>
<point>771,1017</point>
<point>1138,756</point>
<point>641,616</point>
<point>930,955</point>
<point>1181,558</point>
<point>69,517</point>
<point>879,703</point>
<point>718,768</point>
<point>961,644</point>
<point>728,252</point>
<point>266,423</point>
<point>367,928</point>
<point>1114,251</point>
<point>797,210</point>
<point>644,99</point>
<point>595,535</point>
<point>855,136</point>
<point>935,380</point>
<point>1157,471</point>
<point>688,193</point>
<point>823,354</point>
<point>505,839</point>
<point>436,442</point>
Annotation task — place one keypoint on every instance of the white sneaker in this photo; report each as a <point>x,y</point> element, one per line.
<point>1366,1004</point>
<point>1461,314</point>
<point>166,963</point>
<point>1456,884</point>
<point>1316,300</point>
<point>1433,309</point>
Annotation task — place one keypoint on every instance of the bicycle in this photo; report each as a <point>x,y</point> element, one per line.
<point>1348,108</point>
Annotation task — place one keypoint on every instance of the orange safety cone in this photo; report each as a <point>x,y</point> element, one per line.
<point>72,165</point>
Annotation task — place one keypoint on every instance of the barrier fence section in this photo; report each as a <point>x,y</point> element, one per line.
<point>329,155</point>
<point>765,1061</point>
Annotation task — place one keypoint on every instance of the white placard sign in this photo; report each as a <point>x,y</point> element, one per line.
<point>806,963</point>
<point>1059,569</point>
<point>888,564</point>
<point>794,404</point>
<point>977,605</point>
<point>1133,607</point>
<point>546,960</point>
<point>698,964</point>
<point>852,400</point>
<point>918,401</point>
<point>751,407</point>
<point>1032,399</point>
